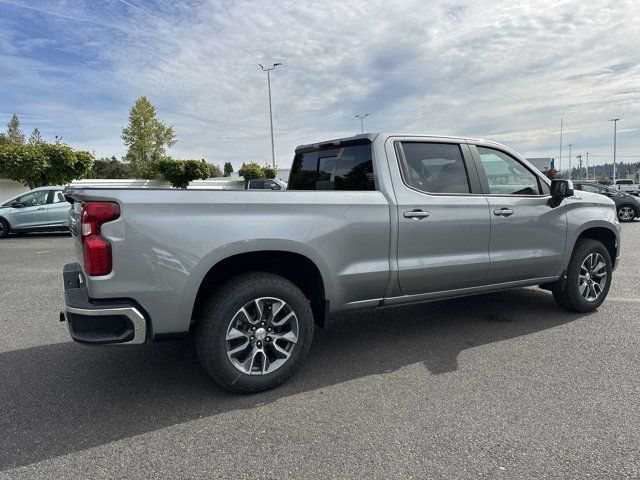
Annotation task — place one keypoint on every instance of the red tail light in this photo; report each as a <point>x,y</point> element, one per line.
<point>96,250</point>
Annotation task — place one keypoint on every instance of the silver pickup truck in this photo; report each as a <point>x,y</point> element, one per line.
<point>367,221</point>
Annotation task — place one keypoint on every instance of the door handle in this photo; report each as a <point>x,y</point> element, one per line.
<point>416,214</point>
<point>503,212</point>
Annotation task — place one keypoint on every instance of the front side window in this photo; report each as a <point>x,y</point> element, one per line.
<point>256,184</point>
<point>342,168</point>
<point>434,167</point>
<point>33,199</point>
<point>505,175</point>
<point>592,188</point>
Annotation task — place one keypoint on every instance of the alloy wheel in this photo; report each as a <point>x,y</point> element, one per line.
<point>626,213</point>
<point>592,279</point>
<point>262,336</point>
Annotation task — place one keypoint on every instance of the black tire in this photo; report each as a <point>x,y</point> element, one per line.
<point>567,294</point>
<point>216,318</point>
<point>4,228</point>
<point>626,213</point>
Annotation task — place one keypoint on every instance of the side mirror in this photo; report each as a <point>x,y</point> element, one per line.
<point>561,189</point>
<point>17,205</point>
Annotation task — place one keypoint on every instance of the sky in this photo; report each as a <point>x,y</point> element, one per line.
<point>504,71</point>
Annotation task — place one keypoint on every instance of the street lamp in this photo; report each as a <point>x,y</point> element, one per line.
<point>361,116</point>
<point>569,145</point>
<point>587,166</point>
<point>615,131</point>
<point>579,157</point>
<point>268,70</point>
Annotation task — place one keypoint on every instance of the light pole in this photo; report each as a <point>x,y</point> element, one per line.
<point>579,157</point>
<point>615,131</point>
<point>570,145</point>
<point>268,70</point>
<point>560,158</point>
<point>361,116</point>
<point>587,166</point>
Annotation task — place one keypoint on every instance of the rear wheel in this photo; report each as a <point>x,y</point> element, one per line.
<point>4,228</point>
<point>254,332</point>
<point>588,278</point>
<point>626,213</point>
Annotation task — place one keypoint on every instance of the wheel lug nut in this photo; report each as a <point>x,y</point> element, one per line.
<point>263,324</point>
<point>268,339</point>
<point>253,338</point>
<point>269,329</point>
<point>259,344</point>
<point>253,329</point>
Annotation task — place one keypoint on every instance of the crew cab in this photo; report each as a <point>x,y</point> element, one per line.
<point>367,221</point>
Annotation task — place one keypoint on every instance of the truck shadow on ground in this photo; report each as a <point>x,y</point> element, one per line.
<point>61,398</point>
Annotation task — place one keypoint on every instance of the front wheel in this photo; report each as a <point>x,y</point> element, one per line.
<point>4,228</point>
<point>626,213</point>
<point>254,332</point>
<point>588,278</point>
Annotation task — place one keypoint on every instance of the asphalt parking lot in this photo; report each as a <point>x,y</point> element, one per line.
<point>505,385</point>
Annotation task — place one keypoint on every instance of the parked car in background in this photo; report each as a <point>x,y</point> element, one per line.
<point>40,209</point>
<point>628,206</point>
<point>626,186</point>
<point>267,184</point>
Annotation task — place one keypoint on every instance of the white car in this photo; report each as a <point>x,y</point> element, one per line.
<point>626,186</point>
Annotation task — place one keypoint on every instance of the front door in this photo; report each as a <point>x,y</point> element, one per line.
<point>31,212</point>
<point>444,224</point>
<point>528,234</point>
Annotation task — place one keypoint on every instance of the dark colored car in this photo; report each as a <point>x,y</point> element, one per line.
<point>628,206</point>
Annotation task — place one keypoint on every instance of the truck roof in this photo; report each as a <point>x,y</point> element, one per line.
<point>372,136</point>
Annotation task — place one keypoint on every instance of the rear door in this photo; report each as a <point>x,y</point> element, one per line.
<point>528,234</point>
<point>57,209</point>
<point>444,224</point>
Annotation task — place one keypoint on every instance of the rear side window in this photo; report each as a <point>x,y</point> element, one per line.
<point>434,167</point>
<point>342,168</point>
<point>624,182</point>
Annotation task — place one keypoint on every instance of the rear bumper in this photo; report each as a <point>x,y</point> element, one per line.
<point>99,322</point>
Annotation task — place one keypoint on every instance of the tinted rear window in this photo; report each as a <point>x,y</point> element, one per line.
<point>341,168</point>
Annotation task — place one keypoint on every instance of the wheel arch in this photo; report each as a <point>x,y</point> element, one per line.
<point>295,267</point>
<point>607,236</point>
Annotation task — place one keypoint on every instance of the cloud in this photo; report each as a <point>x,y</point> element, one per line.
<point>500,71</point>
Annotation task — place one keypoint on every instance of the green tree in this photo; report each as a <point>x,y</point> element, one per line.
<point>180,172</point>
<point>269,172</point>
<point>23,163</point>
<point>146,139</point>
<point>14,132</point>
<point>228,169</point>
<point>215,170</point>
<point>41,164</point>
<point>3,139</point>
<point>251,171</point>
<point>109,168</point>
<point>35,136</point>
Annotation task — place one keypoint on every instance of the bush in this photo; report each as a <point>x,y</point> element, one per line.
<point>251,171</point>
<point>180,172</point>
<point>40,164</point>
<point>269,172</point>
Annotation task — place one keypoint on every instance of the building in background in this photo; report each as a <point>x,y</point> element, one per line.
<point>9,188</point>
